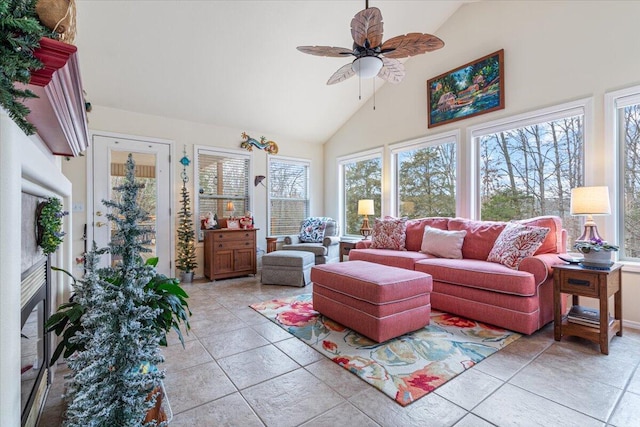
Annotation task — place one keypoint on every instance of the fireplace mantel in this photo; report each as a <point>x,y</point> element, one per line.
<point>59,113</point>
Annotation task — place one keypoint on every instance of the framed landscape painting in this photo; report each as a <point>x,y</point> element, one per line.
<point>469,90</point>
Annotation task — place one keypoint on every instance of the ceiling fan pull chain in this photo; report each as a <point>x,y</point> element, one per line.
<point>374,93</point>
<point>359,88</point>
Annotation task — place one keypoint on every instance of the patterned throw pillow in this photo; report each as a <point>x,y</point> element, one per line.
<point>389,233</point>
<point>515,243</point>
<point>312,230</point>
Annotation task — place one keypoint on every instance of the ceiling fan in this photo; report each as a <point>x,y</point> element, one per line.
<point>373,57</point>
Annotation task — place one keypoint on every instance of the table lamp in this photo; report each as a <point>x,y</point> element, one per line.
<point>590,201</point>
<point>229,209</point>
<point>365,207</point>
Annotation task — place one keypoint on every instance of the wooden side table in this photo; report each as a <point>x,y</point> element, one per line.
<point>345,247</point>
<point>599,284</point>
<point>272,244</point>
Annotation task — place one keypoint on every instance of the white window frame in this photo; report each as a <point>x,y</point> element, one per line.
<point>584,107</point>
<point>613,169</point>
<point>214,151</point>
<point>416,144</point>
<point>291,160</point>
<point>351,158</point>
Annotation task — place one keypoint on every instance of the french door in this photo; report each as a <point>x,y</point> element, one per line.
<point>152,167</point>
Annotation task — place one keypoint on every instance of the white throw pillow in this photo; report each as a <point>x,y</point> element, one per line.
<point>443,243</point>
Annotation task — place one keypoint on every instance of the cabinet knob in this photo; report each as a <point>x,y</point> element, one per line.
<point>220,245</point>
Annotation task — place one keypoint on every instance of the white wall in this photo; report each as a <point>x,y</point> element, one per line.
<point>555,52</point>
<point>188,133</point>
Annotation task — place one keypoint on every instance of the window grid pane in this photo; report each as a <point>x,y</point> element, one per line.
<point>530,171</point>
<point>362,180</point>
<point>630,118</point>
<point>288,196</point>
<point>427,181</point>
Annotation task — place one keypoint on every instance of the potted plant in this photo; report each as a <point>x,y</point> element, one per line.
<point>114,324</point>
<point>595,251</point>
<point>186,256</point>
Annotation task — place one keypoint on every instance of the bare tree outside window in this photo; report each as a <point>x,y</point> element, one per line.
<point>362,180</point>
<point>630,117</point>
<point>529,171</point>
<point>288,196</point>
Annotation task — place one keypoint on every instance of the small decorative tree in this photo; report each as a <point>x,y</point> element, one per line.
<point>115,372</point>
<point>186,257</point>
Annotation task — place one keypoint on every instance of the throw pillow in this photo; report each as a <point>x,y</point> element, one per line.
<point>443,243</point>
<point>389,233</point>
<point>515,243</point>
<point>312,229</point>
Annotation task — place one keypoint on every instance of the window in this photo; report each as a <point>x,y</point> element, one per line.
<point>360,178</point>
<point>288,195</point>
<point>223,177</point>
<point>528,166</point>
<point>626,127</point>
<point>425,177</point>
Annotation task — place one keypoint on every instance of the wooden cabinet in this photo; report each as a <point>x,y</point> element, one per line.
<point>229,253</point>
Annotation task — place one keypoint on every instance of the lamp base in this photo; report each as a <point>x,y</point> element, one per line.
<point>590,233</point>
<point>365,230</point>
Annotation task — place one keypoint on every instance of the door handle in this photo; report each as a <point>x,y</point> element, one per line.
<point>99,213</point>
<point>100,224</point>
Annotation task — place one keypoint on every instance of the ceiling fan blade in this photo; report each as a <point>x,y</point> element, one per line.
<point>392,70</point>
<point>367,25</point>
<point>342,74</point>
<point>410,45</point>
<point>338,52</point>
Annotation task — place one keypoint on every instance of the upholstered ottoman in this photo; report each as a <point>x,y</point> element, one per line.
<point>287,268</point>
<point>376,300</point>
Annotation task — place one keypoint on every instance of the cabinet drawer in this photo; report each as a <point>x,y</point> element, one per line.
<point>237,235</point>
<point>232,244</point>
<point>585,284</point>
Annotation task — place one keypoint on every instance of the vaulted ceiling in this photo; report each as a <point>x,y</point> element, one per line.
<point>235,63</point>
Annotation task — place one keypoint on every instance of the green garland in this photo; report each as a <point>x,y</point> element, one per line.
<point>20,34</point>
<point>50,225</point>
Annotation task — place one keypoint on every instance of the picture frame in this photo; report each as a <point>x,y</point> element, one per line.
<point>233,224</point>
<point>469,90</point>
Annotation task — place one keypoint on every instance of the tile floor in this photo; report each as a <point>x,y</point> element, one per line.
<point>239,369</point>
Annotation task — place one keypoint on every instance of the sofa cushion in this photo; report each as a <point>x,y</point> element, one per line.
<point>312,229</point>
<point>552,244</point>
<point>479,274</point>
<point>316,249</point>
<point>443,243</point>
<point>389,233</point>
<point>515,243</point>
<point>402,259</point>
<point>415,230</point>
<point>481,235</point>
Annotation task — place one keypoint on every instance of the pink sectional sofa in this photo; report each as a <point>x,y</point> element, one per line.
<point>517,299</point>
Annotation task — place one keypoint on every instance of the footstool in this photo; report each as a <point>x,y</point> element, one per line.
<point>287,268</point>
<point>378,301</point>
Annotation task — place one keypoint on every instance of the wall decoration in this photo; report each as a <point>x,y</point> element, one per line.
<point>49,232</point>
<point>269,146</point>
<point>233,223</point>
<point>469,90</point>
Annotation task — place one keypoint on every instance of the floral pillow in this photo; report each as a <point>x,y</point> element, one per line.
<point>515,243</point>
<point>312,229</point>
<point>389,233</point>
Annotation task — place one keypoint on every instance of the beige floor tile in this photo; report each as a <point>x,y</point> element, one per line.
<point>512,406</point>
<point>503,364</point>
<point>634,384</point>
<point>271,331</point>
<point>218,321</point>
<point>291,399</point>
<point>627,414</point>
<point>299,351</point>
<point>257,365</point>
<point>232,342</point>
<point>585,395</point>
<point>469,388</point>
<point>177,358</point>
<point>231,410</point>
<point>338,378</point>
<point>471,420</point>
<point>195,386</point>
<point>249,316</point>
<point>431,410</point>
<point>342,415</point>
<point>187,335</point>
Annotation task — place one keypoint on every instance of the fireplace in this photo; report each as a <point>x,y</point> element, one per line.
<point>35,291</point>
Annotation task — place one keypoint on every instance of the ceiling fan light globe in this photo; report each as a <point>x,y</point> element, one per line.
<point>367,66</point>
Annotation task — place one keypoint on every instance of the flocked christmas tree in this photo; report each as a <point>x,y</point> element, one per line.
<point>115,372</point>
<point>186,257</point>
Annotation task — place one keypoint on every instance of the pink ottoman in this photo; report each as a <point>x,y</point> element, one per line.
<point>376,300</point>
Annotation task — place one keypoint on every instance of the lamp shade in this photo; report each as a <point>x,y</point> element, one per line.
<point>367,66</point>
<point>365,207</point>
<point>590,201</point>
<point>230,206</point>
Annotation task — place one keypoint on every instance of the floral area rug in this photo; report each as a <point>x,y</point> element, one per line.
<point>404,368</point>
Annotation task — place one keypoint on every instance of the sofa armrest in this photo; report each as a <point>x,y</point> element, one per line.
<point>363,244</point>
<point>541,266</point>
<point>330,241</point>
<point>292,240</point>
